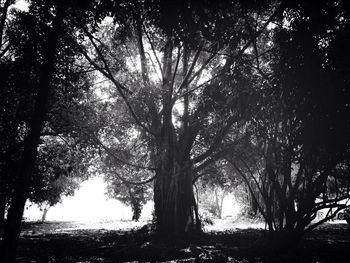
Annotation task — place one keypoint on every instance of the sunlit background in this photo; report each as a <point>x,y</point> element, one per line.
<point>90,203</point>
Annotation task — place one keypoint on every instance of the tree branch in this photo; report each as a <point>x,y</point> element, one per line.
<point>216,141</point>
<point>110,152</point>
<point>106,72</point>
<point>125,181</point>
<point>185,81</point>
<point>153,50</point>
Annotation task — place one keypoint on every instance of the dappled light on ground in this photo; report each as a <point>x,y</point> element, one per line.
<point>230,223</point>
<point>127,241</point>
<point>51,227</point>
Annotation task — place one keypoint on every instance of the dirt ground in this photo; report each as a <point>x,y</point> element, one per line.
<point>125,241</point>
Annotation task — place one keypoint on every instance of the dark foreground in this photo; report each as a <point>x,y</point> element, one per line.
<point>42,243</point>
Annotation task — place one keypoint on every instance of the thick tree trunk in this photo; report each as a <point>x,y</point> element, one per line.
<point>15,213</point>
<point>13,226</point>
<point>173,191</point>
<point>173,198</point>
<point>175,207</point>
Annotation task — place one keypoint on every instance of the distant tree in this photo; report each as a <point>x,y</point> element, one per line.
<point>212,186</point>
<point>211,199</point>
<point>123,184</point>
<point>135,196</point>
<point>59,170</point>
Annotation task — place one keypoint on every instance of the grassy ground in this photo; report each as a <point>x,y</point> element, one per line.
<point>228,240</point>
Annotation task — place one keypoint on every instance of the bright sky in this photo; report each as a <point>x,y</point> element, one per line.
<point>22,5</point>
<point>88,204</point>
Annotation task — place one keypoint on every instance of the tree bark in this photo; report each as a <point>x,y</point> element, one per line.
<point>13,226</point>
<point>46,209</point>
<point>173,191</point>
<point>253,206</point>
<point>173,199</point>
<point>217,204</point>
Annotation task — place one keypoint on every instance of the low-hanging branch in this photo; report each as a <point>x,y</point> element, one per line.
<point>116,157</point>
<point>325,219</point>
<point>125,181</point>
<point>217,139</point>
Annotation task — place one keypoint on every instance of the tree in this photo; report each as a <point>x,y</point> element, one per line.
<point>122,181</point>
<point>212,199</point>
<point>299,156</point>
<point>4,9</point>
<point>183,55</point>
<point>12,111</point>
<point>213,185</point>
<point>12,228</point>
<point>135,196</point>
<point>36,39</point>
<point>59,170</point>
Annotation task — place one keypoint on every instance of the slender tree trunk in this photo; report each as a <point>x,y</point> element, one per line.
<point>46,209</point>
<point>135,205</point>
<point>13,226</point>
<point>198,224</point>
<point>3,201</point>
<point>222,203</point>
<point>5,8</point>
<point>253,206</point>
<point>217,204</point>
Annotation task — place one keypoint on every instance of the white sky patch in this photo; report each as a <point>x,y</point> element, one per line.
<point>107,20</point>
<point>102,95</point>
<point>133,64</point>
<point>178,109</point>
<point>88,204</point>
<point>271,26</point>
<point>21,5</point>
<point>151,55</point>
<point>248,50</point>
<point>205,76</point>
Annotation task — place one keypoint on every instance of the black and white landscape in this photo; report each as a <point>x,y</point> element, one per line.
<point>174,131</point>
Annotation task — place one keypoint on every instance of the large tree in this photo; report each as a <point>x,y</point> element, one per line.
<point>300,133</point>
<point>175,71</point>
<point>21,187</point>
<point>45,85</point>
